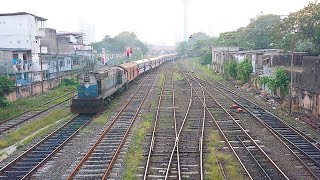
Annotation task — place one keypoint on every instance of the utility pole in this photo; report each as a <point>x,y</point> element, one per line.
<point>291,69</point>
<point>291,74</point>
<point>7,67</point>
<point>41,70</point>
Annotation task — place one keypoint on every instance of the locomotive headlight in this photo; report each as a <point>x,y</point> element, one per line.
<point>86,78</point>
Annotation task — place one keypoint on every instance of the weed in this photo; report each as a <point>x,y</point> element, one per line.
<point>177,76</point>
<point>134,156</point>
<point>24,104</point>
<point>195,62</point>
<point>230,165</point>
<point>27,129</point>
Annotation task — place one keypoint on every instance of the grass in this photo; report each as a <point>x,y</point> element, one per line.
<point>104,117</point>
<point>134,155</point>
<point>231,167</point>
<point>27,129</point>
<point>177,77</point>
<point>25,104</point>
<point>195,62</point>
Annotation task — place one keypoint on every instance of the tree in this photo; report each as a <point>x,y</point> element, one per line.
<point>183,48</point>
<point>259,33</point>
<point>244,70</point>
<point>230,69</point>
<point>198,45</point>
<point>278,80</point>
<point>6,86</point>
<point>118,44</point>
<point>304,24</point>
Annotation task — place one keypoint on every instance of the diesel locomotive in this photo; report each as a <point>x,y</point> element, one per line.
<point>97,87</point>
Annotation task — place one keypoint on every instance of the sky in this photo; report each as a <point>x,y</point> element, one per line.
<point>154,21</point>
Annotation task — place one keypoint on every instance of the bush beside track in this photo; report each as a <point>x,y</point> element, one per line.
<point>25,104</point>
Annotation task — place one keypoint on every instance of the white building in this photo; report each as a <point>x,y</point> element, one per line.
<point>21,33</point>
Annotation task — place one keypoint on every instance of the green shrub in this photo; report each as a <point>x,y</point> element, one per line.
<point>68,82</point>
<point>206,58</point>
<point>244,69</point>
<point>4,102</point>
<point>230,69</point>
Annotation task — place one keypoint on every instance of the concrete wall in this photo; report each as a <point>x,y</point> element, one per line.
<point>50,40</point>
<point>6,65</point>
<point>34,89</point>
<point>64,45</point>
<point>306,91</point>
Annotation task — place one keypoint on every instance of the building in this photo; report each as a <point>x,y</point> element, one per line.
<point>222,55</point>
<point>49,42</point>
<point>6,64</point>
<point>20,33</point>
<point>306,85</point>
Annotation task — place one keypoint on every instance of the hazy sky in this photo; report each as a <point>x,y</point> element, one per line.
<point>154,21</point>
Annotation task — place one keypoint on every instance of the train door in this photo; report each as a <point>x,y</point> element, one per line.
<point>119,77</point>
<point>99,87</point>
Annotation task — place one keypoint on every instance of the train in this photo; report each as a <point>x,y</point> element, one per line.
<point>96,88</point>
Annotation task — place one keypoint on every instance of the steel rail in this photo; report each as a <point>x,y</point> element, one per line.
<point>182,125</point>
<point>175,147</point>
<point>108,169</point>
<point>252,140</point>
<point>222,169</point>
<point>252,156</point>
<point>202,134</point>
<point>278,135</point>
<point>30,117</point>
<point>87,155</point>
<point>302,134</point>
<point>243,130</point>
<point>24,112</point>
<point>154,130</point>
<point>27,175</point>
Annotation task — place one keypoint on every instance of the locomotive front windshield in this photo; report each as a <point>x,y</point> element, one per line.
<point>87,86</point>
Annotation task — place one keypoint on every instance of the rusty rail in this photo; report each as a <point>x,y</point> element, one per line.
<point>252,140</point>
<point>154,130</point>
<point>83,160</point>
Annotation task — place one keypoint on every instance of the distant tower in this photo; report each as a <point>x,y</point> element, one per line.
<point>185,19</point>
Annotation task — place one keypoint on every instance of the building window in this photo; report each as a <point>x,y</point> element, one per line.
<point>10,42</point>
<point>18,41</point>
<point>19,76</point>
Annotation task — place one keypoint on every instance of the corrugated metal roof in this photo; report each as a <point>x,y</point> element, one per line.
<point>23,13</point>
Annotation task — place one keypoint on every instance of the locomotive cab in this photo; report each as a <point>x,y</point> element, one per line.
<point>88,99</point>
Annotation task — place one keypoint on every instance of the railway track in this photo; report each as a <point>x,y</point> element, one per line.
<point>300,144</point>
<point>98,161</point>
<point>13,122</point>
<point>27,163</point>
<point>163,134</point>
<point>176,153</point>
<point>254,160</point>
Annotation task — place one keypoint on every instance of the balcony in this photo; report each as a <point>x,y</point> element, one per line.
<point>21,68</point>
